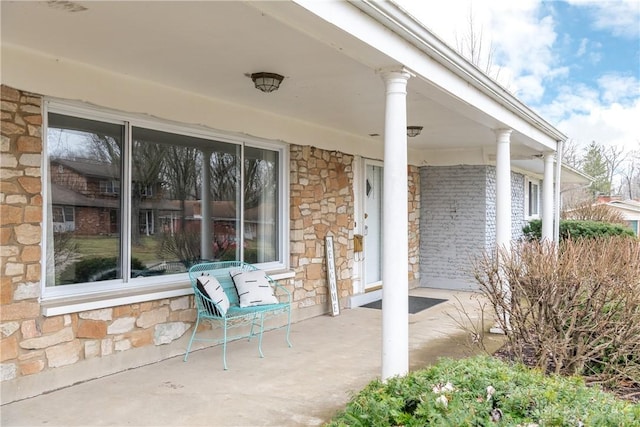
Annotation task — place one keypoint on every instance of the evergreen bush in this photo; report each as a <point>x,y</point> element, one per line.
<point>484,391</point>
<point>572,228</point>
<point>101,268</point>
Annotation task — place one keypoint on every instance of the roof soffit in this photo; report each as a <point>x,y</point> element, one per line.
<point>207,47</point>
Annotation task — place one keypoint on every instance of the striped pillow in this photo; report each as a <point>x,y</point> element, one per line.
<point>212,289</point>
<point>253,288</point>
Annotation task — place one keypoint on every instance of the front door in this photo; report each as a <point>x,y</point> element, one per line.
<point>373,225</point>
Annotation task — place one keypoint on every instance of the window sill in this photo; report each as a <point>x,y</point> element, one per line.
<point>79,303</point>
<point>109,299</point>
<point>282,274</point>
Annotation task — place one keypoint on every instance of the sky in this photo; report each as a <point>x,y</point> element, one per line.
<point>576,63</point>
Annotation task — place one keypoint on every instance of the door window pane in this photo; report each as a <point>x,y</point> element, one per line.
<point>83,245</point>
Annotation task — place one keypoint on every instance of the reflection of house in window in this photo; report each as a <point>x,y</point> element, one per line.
<point>82,197</point>
<point>147,191</point>
<point>87,177</point>
<point>146,221</point>
<point>63,218</point>
<point>110,187</point>
<point>169,177</point>
<point>81,214</point>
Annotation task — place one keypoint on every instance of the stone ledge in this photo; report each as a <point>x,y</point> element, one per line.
<point>282,274</point>
<point>115,298</point>
<point>79,303</point>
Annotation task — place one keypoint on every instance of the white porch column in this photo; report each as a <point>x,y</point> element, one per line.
<point>503,188</point>
<point>395,282</point>
<point>547,199</point>
<point>558,193</point>
<point>205,209</point>
<point>503,209</point>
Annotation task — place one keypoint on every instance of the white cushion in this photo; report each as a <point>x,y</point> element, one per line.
<point>253,288</point>
<point>214,290</point>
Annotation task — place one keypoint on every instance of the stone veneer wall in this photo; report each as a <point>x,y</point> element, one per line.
<point>20,218</point>
<point>322,203</point>
<point>413,173</point>
<point>31,343</point>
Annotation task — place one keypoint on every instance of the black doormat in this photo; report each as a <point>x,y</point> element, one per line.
<point>416,304</point>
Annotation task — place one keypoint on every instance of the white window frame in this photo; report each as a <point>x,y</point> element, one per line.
<point>528,183</point>
<point>128,290</point>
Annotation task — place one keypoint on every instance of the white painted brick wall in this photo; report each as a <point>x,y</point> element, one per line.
<point>457,221</point>
<point>517,206</point>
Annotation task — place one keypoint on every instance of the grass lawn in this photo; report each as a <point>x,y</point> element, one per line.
<point>106,246</point>
<point>147,250</point>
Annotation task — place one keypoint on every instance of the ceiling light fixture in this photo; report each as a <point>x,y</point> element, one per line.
<point>413,131</point>
<point>267,82</point>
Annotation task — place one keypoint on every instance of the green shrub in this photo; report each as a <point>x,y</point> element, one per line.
<point>104,268</point>
<point>522,397</point>
<point>571,228</point>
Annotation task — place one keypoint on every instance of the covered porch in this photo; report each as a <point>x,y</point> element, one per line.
<point>300,386</point>
<point>355,76</point>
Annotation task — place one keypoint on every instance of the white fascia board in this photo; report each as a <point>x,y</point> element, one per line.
<point>405,41</point>
<point>577,177</point>
<point>413,31</point>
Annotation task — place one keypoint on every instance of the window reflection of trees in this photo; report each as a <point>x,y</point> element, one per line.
<point>169,206</point>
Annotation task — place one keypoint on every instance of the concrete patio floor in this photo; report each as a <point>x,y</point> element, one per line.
<point>306,385</point>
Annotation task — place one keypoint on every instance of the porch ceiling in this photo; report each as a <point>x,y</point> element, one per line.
<point>208,48</point>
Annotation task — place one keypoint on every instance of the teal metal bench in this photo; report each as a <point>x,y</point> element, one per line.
<point>235,316</point>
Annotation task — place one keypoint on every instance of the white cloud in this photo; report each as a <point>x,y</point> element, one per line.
<point>612,124</point>
<point>583,48</point>
<point>607,114</point>
<point>619,17</point>
<point>619,88</point>
<point>595,57</point>
<point>571,100</point>
<point>524,39</point>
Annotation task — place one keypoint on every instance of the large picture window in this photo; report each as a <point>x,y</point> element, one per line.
<point>126,203</point>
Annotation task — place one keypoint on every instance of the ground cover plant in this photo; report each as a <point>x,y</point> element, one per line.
<point>485,391</point>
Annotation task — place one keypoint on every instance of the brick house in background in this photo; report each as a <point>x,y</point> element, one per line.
<point>272,174</point>
<point>82,197</point>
